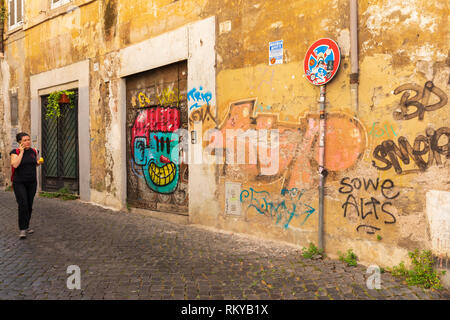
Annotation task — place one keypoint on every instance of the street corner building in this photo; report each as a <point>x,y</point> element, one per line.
<point>217,113</point>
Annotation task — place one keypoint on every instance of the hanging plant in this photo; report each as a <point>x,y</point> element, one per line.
<point>56,99</point>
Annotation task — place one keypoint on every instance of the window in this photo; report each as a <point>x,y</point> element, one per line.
<point>58,3</point>
<point>15,9</point>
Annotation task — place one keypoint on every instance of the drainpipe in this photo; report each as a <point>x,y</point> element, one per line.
<point>354,75</point>
<point>322,171</point>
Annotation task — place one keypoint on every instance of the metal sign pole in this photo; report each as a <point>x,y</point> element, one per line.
<point>320,65</point>
<point>322,170</point>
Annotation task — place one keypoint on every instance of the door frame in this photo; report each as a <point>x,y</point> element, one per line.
<point>74,76</point>
<point>195,43</point>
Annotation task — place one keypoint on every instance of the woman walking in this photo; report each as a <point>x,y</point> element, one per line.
<point>24,160</point>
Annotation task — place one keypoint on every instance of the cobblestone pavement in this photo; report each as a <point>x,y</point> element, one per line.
<point>131,256</point>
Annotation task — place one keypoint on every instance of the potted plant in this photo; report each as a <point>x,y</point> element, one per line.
<point>56,99</point>
<point>64,98</point>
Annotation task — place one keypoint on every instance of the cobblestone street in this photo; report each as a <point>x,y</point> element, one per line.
<point>131,256</point>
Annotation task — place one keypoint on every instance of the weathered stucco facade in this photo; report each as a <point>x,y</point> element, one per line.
<point>388,186</point>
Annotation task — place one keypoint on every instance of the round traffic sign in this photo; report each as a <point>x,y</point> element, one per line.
<point>322,61</point>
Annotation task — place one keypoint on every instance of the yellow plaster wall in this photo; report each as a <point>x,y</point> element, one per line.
<point>401,42</point>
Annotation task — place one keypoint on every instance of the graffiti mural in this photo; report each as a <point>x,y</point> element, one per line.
<point>202,114</point>
<point>283,211</point>
<point>155,147</point>
<point>420,101</point>
<point>369,210</point>
<point>346,141</point>
<point>157,139</point>
<point>197,97</point>
<point>167,96</point>
<point>435,143</point>
<point>379,132</point>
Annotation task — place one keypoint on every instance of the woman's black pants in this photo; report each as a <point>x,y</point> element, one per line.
<point>25,192</point>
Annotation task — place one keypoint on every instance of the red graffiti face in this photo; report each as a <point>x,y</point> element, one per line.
<point>156,119</point>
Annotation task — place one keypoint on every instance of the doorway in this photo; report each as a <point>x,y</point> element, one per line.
<point>157,173</point>
<point>60,148</point>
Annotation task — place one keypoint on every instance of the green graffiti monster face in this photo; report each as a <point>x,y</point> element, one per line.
<point>162,168</point>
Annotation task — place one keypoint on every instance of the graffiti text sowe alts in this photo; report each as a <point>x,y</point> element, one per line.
<point>369,207</point>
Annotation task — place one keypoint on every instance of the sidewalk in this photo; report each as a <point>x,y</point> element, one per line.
<point>130,256</point>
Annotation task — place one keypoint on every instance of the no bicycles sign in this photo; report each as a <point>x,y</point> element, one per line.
<point>322,61</point>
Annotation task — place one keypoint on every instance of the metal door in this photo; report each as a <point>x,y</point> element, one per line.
<point>60,149</point>
<point>157,171</point>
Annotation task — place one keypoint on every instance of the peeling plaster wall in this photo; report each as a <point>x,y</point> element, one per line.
<point>5,121</point>
<point>404,62</point>
<point>13,82</point>
<point>397,47</point>
<point>401,43</point>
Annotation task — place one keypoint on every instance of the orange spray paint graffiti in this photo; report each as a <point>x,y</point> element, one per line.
<point>346,140</point>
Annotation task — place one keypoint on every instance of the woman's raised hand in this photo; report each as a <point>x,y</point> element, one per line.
<point>21,147</point>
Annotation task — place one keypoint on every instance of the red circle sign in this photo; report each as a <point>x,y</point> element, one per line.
<point>322,61</point>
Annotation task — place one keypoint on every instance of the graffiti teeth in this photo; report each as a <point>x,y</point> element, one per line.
<point>162,176</point>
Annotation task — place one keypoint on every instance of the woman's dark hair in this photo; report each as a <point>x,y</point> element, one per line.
<point>19,136</point>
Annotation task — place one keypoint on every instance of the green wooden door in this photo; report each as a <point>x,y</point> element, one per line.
<point>60,149</point>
